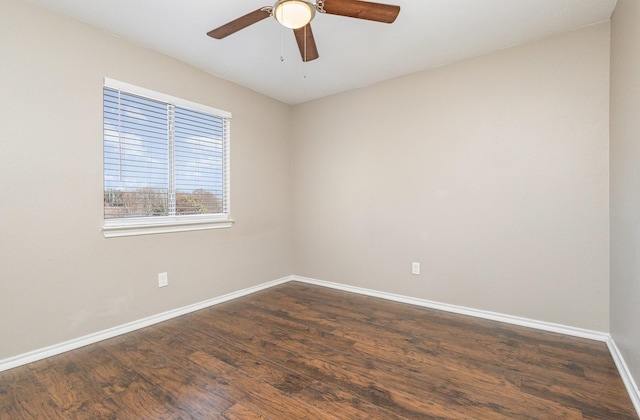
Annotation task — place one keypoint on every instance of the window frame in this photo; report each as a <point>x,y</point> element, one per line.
<point>132,226</point>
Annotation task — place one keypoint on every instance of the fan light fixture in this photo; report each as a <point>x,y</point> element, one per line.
<point>294,14</point>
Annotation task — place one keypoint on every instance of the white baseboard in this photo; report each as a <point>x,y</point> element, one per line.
<point>625,374</point>
<point>55,349</point>
<point>43,353</point>
<point>494,316</point>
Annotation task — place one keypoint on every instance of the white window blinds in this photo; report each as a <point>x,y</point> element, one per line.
<point>163,157</point>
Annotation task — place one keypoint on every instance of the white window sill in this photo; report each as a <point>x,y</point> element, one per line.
<point>114,228</point>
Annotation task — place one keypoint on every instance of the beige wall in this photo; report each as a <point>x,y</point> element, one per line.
<point>492,172</point>
<point>625,181</point>
<point>60,278</point>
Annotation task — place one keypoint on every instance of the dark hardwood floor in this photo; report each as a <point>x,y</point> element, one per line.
<point>299,351</point>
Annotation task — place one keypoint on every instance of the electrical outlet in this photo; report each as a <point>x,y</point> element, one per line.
<point>163,279</point>
<point>415,268</point>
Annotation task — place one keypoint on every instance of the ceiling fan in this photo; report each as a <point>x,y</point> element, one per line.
<point>297,15</point>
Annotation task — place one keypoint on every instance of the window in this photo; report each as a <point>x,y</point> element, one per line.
<point>166,163</point>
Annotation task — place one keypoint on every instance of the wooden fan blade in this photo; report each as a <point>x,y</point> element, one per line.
<point>378,12</point>
<point>240,23</point>
<point>308,49</point>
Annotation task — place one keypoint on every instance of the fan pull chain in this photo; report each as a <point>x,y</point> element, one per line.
<point>304,62</point>
<point>282,43</point>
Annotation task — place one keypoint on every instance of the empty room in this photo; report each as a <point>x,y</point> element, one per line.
<point>320,209</point>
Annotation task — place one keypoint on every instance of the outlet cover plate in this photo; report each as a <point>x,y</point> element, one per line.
<point>415,268</point>
<point>163,279</point>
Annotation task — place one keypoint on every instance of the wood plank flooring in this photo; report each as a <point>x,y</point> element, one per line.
<point>298,351</point>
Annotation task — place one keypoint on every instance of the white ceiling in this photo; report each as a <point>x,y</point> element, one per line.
<point>353,52</point>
